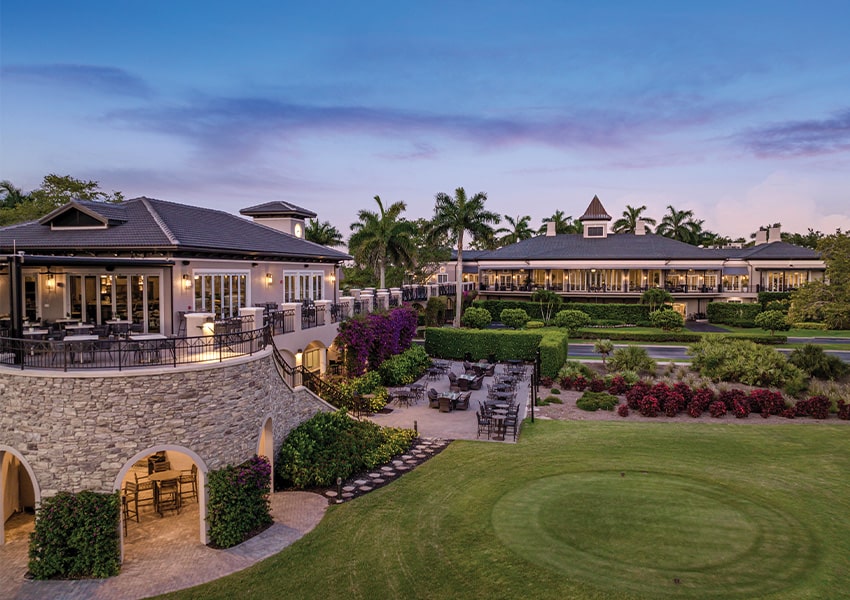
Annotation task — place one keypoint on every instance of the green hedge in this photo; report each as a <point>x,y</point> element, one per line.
<point>76,537</point>
<point>238,505</point>
<point>737,315</point>
<point>765,298</point>
<point>444,342</point>
<point>620,313</point>
<point>676,336</point>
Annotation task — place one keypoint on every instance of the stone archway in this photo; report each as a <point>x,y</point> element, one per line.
<point>202,478</point>
<point>265,447</point>
<point>19,488</point>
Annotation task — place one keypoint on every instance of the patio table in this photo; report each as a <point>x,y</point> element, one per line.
<point>157,477</point>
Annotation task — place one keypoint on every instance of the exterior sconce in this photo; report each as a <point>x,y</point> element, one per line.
<point>299,354</point>
<point>269,279</point>
<point>187,282</point>
<point>51,282</point>
<point>332,278</point>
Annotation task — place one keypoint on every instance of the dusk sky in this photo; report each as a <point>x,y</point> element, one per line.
<point>738,110</point>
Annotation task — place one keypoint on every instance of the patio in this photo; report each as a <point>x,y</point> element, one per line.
<point>454,425</point>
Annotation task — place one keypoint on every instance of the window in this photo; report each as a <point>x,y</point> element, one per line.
<point>221,293</point>
<point>302,285</point>
<point>595,231</point>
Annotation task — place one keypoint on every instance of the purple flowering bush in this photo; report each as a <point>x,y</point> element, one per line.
<point>371,339</point>
<point>238,506</point>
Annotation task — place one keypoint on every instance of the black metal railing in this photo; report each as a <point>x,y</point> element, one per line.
<point>133,351</point>
<point>282,321</point>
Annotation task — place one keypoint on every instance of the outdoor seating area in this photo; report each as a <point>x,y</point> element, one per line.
<point>157,487</point>
<point>462,400</point>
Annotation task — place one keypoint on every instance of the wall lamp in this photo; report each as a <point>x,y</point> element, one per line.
<point>269,279</point>
<point>187,282</point>
<point>51,282</point>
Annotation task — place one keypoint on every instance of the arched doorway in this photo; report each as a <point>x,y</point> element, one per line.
<point>315,357</point>
<point>148,471</point>
<point>19,495</point>
<point>265,447</point>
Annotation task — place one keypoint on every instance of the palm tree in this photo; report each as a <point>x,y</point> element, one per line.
<point>454,217</point>
<point>563,224</point>
<point>518,230</point>
<point>680,225</point>
<point>382,237</point>
<point>628,222</point>
<point>12,196</point>
<point>323,233</point>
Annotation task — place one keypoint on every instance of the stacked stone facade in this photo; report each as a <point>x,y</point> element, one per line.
<point>77,430</point>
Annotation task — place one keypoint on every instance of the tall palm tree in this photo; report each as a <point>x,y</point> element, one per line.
<point>563,224</point>
<point>454,217</point>
<point>628,222</point>
<point>518,230</point>
<point>382,238</point>
<point>680,225</point>
<point>323,233</point>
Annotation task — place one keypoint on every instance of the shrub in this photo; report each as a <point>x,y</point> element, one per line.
<point>371,339</point>
<point>76,536</point>
<point>623,410</point>
<point>554,391</point>
<point>554,348</point>
<point>332,445</point>
<point>571,320</point>
<point>772,320</point>
<point>593,401</point>
<point>819,407</point>
<point>727,313</point>
<point>580,383</point>
<point>667,319</point>
<point>649,406</point>
<point>573,368</point>
<point>515,318</point>
<point>368,383</point>
<point>549,400</point>
<point>636,394</point>
<point>813,360</point>
<point>621,313</point>
<point>476,318</point>
<point>547,381</point>
<point>843,410</point>
<point>534,325</point>
<point>435,311</point>
<point>810,326</point>
<point>766,402</point>
<point>632,358</point>
<point>674,404</point>
<point>445,342</point>
<point>618,385</point>
<point>404,368</point>
<point>717,409</point>
<point>725,359</point>
<point>741,408</point>
<point>238,505</point>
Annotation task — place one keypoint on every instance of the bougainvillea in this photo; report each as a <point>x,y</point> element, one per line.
<point>369,340</point>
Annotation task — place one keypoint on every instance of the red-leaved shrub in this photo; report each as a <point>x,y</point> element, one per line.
<point>741,408</point>
<point>843,410</point>
<point>685,390</point>
<point>649,406</point>
<point>547,381</point>
<point>766,402</point>
<point>634,395</point>
<point>597,385</point>
<point>728,397</point>
<point>579,382</point>
<point>618,385</point>
<point>566,383</point>
<point>717,409</point>
<point>623,410</point>
<point>674,404</point>
<point>819,407</point>
<point>789,413</point>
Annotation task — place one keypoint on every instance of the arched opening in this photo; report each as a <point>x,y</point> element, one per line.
<point>315,357</point>
<point>266,445</point>
<point>164,501</point>
<point>19,495</point>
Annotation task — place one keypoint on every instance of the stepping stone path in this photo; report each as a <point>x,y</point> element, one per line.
<point>418,454</point>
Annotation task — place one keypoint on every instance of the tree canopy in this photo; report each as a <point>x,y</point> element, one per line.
<point>322,233</point>
<point>55,191</point>
<point>680,225</point>
<point>382,238</point>
<point>628,222</point>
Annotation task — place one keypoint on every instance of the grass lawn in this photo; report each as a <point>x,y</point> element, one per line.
<point>824,333</point>
<point>588,510</point>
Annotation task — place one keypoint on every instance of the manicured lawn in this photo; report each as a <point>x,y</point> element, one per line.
<point>589,510</point>
<point>836,333</point>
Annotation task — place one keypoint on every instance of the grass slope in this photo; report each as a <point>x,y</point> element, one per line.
<point>589,511</point>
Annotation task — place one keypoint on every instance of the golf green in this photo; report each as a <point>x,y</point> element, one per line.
<point>648,531</point>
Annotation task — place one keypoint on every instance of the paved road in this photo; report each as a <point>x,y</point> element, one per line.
<point>666,353</point>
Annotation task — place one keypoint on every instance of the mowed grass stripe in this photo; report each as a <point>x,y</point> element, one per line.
<point>431,534</point>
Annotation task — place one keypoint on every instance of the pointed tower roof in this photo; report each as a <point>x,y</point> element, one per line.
<point>595,212</point>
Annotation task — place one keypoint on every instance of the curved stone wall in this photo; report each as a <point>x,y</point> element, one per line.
<point>77,430</point>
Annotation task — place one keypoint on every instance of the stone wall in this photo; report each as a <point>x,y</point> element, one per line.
<point>77,430</point>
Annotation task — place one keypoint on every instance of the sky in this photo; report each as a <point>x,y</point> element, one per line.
<point>739,111</point>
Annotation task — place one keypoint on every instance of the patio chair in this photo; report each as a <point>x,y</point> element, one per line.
<point>463,401</point>
<point>476,383</point>
<point>169,496</point>
<point>144,490</point>
<point>189,478</point>
<point>433,398</point>
<point>445,404</point>
<point>484,425</point>
<point>130,503</point>
<point>453,382</point>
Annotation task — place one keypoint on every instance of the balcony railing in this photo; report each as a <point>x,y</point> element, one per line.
<point>132,351</point>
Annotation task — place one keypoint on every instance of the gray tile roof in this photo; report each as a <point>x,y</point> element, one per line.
<point>775,251</point>
<point>147,224</point>
<point>278,208</point>
<point>621,246</point>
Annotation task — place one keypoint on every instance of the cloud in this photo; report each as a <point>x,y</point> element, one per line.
<point>87,77</point>
<point>238,126</point>
<point>800,138</point>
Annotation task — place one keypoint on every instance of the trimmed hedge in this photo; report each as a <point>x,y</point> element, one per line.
<point>554,350</point>
<point>737,315</point>
<point>764,298</point>
<point>676,336</point>
<point>76,537</point>
<point>621,313</point>
<point>239,506</point>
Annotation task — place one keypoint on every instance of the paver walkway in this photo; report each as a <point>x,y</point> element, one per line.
<point>164,555</point>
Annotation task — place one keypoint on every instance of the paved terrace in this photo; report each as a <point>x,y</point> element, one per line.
<point>455,425</point>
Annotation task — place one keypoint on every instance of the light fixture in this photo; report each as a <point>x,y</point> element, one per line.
<point>51,282</point>
<point>298,355</point>
<point>269,279</point>
<point>332,278</point>
<point>187,281</point>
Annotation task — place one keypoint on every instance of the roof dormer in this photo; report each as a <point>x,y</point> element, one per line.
<point>595,220</point>
<point>76,215</point>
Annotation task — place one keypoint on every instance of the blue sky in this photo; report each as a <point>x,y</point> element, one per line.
<point>739,111</point>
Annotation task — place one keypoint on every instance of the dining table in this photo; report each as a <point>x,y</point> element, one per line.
<point>148,346</point>
<point>80,345</point>
<point>78,328</point>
